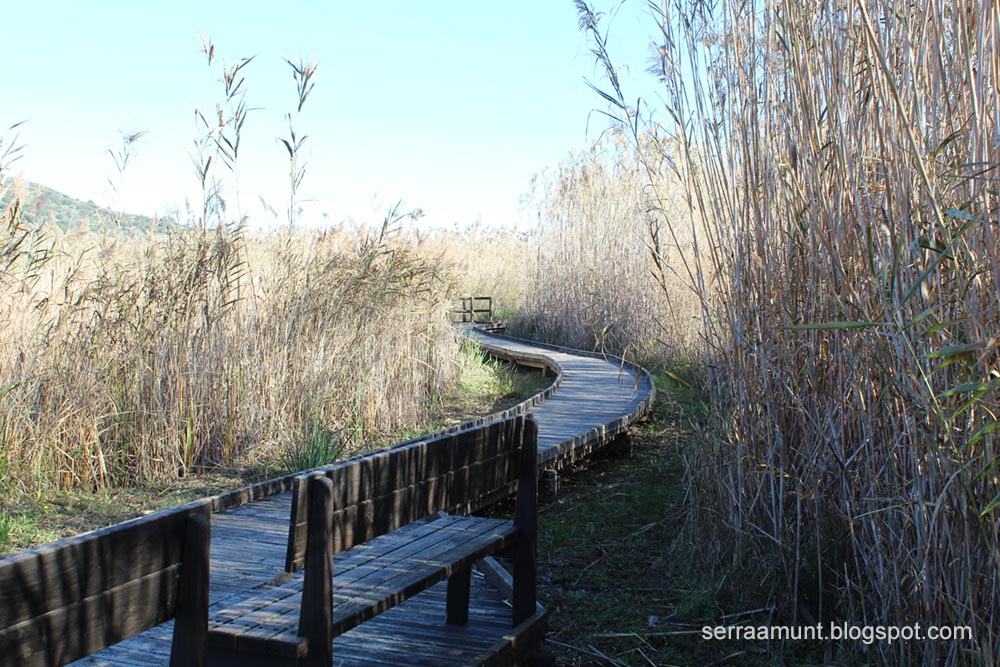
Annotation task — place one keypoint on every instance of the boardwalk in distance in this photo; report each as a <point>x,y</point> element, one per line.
<point>595,398</point>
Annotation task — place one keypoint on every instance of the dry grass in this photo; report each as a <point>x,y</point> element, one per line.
<point>144,360</point>
<point>843,159</point>
<point>482,261</point>
<point>581,277</point>
<point>30,519</point>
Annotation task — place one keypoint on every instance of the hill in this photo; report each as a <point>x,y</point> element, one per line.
<point>41,205</point>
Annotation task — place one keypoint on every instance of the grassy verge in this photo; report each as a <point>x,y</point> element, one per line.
<point>619,571</point>
<point>488,385</point>
<point>27,520</point>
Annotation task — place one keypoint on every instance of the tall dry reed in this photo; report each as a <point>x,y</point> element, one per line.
<point>480,261</point>
<point>843,157</point>
<point>590,283</point>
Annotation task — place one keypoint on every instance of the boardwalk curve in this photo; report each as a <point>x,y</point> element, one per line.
<point>595,397</point>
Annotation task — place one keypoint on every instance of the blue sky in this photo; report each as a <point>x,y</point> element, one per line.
<point>449,105</point>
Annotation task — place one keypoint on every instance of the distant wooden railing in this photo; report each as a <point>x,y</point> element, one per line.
<point>473,310</point>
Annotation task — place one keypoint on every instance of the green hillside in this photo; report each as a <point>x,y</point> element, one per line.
<point>41,205</point>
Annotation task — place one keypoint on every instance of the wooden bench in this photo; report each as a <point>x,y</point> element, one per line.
<point>382,515</point>
<point>62,601</point>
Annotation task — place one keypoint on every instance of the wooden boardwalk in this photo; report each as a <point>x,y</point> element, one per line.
<point>596,398</point>
<point>593,400</point>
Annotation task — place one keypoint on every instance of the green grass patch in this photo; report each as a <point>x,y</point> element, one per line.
<point>486,385</point>
<point>30,520</point>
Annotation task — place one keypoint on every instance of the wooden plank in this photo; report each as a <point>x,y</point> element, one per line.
<point>419,623</point>
<point>297,530</point>
<point>79,629</point>
<point>377,516</point>
<point>482,478</point>
<point>393,552</point>
<point>420,616</point>
<point>466,447</point>
<point>388,574</point>
<point>523,639</point>
<point>266,623</point>
<point>379,492</point>
<point>447,472</point>
<point>386,585</point>
<point>62,601</point>
<point>410,463</point>
<point>382,471</point>
<point>437,458</point>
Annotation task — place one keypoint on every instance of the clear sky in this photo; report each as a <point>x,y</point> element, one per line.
<point>449,105</point>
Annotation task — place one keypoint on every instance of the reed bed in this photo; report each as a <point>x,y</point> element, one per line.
<point>591,281</point>
<point>146,359</point>
<point>843,159</point>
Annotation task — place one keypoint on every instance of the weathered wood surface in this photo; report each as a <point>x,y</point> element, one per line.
<point>377,493</point>
<point>364,509</point>
<point>592,400</point>
<point>367,581</point>
<point>247,561</point>
<point>68,599</point>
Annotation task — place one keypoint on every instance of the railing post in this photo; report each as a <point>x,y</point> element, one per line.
<point>316,613</point>
<point>526,521</point>
<point>190,638</point>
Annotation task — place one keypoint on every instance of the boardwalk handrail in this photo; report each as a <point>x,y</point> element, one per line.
<point>582,445</point>
<point>62,601</point>
<point>457,472</point>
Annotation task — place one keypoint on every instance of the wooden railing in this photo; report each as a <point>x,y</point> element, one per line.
<point>389,501</point>
<point>65,600</point>
<point>473,310</point>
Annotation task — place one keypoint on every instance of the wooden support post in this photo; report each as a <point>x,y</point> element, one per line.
<point>526,521</point>
<point>620,447</point>
<point>316,614</point>
<point>550,485</point>
<point>457,606</point>
<point>300,517</point>
<point>540,657</point>
<point>188,647</point>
